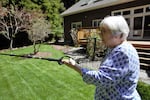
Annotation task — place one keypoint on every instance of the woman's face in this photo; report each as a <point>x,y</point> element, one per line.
<point>107,38</point>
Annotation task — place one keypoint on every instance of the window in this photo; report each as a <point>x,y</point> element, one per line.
<point>97,1</point>
<point>138,19</point>
<point>96,23</point>
<point>138,11</point>
<point>138,23</point>
<point>117,13</point>
<point>148,9</point>
<point>147,27</point>
<point>76,25</point>
<point>128,21</point>
<point>86,2</point>
<point>137,26</point>
<point>126,12</point>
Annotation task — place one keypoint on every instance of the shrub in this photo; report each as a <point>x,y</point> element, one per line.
<point>144,90</point>
<point>95,47</point>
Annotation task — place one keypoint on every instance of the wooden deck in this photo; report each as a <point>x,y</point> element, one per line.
<point>143,48</point>
<point>141,44</point>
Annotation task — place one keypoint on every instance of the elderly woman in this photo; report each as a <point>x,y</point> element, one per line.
<point>118,73</point>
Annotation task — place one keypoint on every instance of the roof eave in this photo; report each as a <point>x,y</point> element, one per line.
<point>96,7</point>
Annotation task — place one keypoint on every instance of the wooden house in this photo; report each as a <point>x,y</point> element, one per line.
<point>89,13</point>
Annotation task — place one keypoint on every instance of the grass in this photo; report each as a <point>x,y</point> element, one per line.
<point>33,79</point>
<point>144,90</point>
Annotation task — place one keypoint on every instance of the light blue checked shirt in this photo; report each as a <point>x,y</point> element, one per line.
<point>117,76</point>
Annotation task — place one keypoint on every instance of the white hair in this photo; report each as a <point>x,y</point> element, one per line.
<point>117,25</point>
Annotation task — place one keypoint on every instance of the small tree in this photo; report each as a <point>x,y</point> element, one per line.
<point>95,47</point>
<point>38,32</point>
<point>13,21</point>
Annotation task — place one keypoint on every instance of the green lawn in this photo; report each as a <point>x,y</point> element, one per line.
<point>33,79</point>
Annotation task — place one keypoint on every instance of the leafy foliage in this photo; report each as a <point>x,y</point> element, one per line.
<point>95,47</point>
<point>51,8</point>
<point>144,90</point>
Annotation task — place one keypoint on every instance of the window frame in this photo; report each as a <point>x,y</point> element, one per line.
<point>97,22</point>
<point>131,16</point>
<point>76,24</point>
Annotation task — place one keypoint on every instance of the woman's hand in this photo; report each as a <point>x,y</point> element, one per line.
<point>72,64</point>
<point>69,61</point>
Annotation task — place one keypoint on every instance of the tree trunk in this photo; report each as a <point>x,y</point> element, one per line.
<point>11,44</point>
<point>34,47</point>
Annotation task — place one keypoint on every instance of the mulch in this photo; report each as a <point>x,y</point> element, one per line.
<point>63,48</point>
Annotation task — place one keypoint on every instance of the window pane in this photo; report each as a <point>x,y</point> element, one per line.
<point>148,9</point>
<point>95,23</point>
<point>78,26</point>
<point>128,21</point>
<point>137,26</point>
<point>138,11</point>
<point>74,26</point>
<point>126,12</point>
<point>99,23</point>
<point>117,13</point>
<point>147,26</point>
<point>138,23</point>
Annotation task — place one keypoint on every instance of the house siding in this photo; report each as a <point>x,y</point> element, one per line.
<point>87,17</point>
